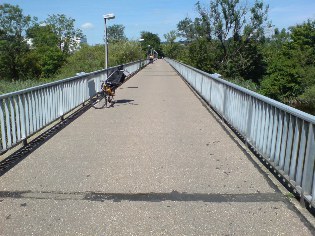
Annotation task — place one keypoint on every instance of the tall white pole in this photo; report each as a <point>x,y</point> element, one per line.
<point>107,16</point>
<point>106,46</point>
<point>140,40</point>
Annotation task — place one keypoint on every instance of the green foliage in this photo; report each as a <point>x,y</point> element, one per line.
<point>309,96</point>
<point>245,60</point>
<point>33,53</point>
<point>87,59</point>
<point>171,48</point>
<point>291,65</point>
<point>63,27</point>
<point>51,61</point>
<point>249,84</point>
<point>13,47</point>
<point>170,37</point>
<point>116,33</point>
<point>303,42</point>
<point>307,99</point>
<point>227,37</point>
<point>151,41</point>
<point>181,53</point>
<point>124,52</point>
<point>202,55</point>
<point>12,21</point>
<point>186,29</point>
<point>283,80</point>
<point>11,86</point>
<point>92,58</point>
<point>12,54</point>
<point>42,36</point>
<point>46,56</point>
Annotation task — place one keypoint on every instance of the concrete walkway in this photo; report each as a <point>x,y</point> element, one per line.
<point>157,163</point>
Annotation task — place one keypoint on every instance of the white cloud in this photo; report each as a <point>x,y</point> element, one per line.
<point>87,25</point>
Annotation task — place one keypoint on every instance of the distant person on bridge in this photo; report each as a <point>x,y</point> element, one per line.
<point>151,59</point>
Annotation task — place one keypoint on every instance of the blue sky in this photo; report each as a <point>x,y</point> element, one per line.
<point>156,16</point>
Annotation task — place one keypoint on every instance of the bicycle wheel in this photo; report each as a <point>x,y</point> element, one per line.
<point>100,101</point>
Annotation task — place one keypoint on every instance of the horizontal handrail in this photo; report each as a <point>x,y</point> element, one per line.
<point>25,112</point>
<point>282,135</point>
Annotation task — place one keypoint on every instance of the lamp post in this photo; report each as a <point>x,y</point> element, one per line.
<point>107,17</point>
<point>149,51</point>
<point>150,54</point>
<point>140,40</point>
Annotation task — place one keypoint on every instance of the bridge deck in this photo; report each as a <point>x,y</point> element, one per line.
<point>157,163</point>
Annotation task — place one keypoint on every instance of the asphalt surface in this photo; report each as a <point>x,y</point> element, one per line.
<point>157,163</point>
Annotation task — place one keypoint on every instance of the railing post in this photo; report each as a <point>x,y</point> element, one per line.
<point>249,122</point>
<point>225,94</point>
<point>210,92</point>
<point>308,172</point>
<point>2,127</point>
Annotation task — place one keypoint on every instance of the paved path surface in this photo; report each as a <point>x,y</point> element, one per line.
<point>157,163</point>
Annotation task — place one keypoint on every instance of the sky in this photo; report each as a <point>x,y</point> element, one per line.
<point>156,16</point>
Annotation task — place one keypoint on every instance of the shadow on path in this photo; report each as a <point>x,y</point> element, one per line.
<point>122,101</point>
<point>144,197</point>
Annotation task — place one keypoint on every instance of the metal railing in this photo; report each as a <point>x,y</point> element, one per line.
<point>25,112</point>
<point>282,135</point>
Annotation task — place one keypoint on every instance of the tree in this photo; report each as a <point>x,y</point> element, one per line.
<point>303,44</point>
<point>151,39</point>
<point>291,65</point>
<point>202,55</point>
<point>235,25</point>
<point>238,28</point>
<point>63,27</point>
<point>278,38</point>
<point>283,79</point>
<point>186,29</point>
<point>13,46</point>
<point>307,100</point>
<point>303,40</point>
<point>87,59</point>
<point>12,21</point>
<point>116,33</point>
<point>191,30</point>
<point>171,48</point>
<point>125,52</point>
<point>42,35</point>
<point>170,37</point>
<point>45,55</point>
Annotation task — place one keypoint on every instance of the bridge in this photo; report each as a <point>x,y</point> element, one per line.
<point>172,157</point>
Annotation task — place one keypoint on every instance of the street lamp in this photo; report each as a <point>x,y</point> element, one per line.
<point>149,51</point>
<point>140,40</point>
<point>107,17</point>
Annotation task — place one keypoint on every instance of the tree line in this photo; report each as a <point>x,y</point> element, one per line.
<point>30,49</point>
<point>239,42</point>
<point>33,52</point>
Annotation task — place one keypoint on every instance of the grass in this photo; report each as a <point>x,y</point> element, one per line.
<point>12,86</point>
